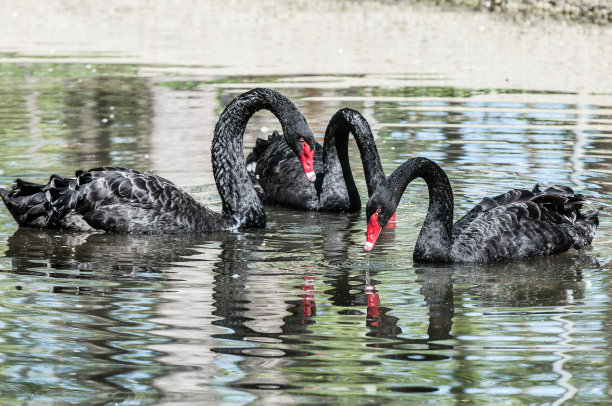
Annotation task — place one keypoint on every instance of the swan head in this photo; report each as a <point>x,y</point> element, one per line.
<point>301,140</point>
<point>380,213</point>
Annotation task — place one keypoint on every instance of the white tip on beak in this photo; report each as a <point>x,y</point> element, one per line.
<point>311,176</point>
<point>367,247</point>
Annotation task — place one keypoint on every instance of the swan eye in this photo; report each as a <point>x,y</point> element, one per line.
<point>301,139</point>
<point>378,211</point>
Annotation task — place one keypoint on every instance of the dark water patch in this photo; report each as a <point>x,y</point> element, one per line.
<point>413,389</point>
<point>350,312</point>
<point>265,386</point>
<point>417,357</point>
<point>266,352</point>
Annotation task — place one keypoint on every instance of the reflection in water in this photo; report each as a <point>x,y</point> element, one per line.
<point>255,318</point>
<point>76,121</point>
<point>437,289</point>
<point>109,117</point>
<point>97,290</point>
<point>96,256</point>
<point>548,281</point>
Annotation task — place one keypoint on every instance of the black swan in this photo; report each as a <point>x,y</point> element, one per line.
<point>275,169</point>
<point>129,201</point>
<point>514,225</point>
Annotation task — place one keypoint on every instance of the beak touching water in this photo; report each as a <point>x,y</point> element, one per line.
<point>372,234</point>
<point>307,159</point>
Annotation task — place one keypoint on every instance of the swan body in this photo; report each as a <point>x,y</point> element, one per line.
<point>129,201</point>
<point>517,224</point>
<point>275,169</point>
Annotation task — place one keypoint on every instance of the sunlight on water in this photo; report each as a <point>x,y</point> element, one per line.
<point>298,312</point>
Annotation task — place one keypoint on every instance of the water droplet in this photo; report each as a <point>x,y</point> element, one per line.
<point>264,129</point>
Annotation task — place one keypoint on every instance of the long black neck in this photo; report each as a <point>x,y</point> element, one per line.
<point>241,205</point>
<point>336,156</point>
<point>434,242</point>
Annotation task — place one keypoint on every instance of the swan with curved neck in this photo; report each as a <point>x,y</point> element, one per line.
<point>518,224</point>
<point>276,170</point>
<point>129,201</point>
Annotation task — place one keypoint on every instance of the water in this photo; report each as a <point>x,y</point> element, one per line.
<point>297,312</point>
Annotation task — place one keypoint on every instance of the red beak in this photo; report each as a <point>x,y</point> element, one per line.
<point>307,159</point>
<point>372,234</point>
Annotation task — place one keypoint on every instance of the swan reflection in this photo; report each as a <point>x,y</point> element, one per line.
<point>252,311</point>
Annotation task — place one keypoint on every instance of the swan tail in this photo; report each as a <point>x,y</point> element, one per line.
<point>566,206</point>
<point>49,205</point>
<point>584,228</point>
<point>29,203</point>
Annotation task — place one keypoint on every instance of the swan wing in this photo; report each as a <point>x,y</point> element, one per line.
<point>261,145</point>
<point>129,201</point>
<point>252,160</point>
<point>278,175</point>
<point>510,232</point>
<point>488,203</point>
<point>521,224</point>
